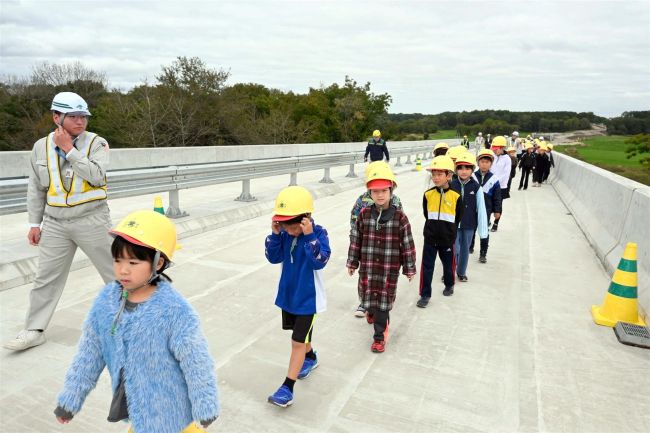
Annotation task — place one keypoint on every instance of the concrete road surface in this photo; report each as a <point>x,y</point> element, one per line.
<point>514,350</point>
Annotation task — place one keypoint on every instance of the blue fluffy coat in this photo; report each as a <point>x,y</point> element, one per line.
<point>168,372</point>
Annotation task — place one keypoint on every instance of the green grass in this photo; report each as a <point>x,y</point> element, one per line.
<point>442,134</point>
<point>608,152</point>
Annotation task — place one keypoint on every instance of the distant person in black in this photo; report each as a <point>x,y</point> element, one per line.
<point>465,142</point>
<point>488,141</point>
<point>376,148</point>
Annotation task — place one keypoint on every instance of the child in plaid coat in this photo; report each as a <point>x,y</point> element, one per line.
<point>380,243</point>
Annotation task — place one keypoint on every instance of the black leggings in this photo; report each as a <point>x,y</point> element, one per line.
<point>525,172</point>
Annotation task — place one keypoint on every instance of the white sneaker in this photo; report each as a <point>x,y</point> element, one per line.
<point>25,339</point>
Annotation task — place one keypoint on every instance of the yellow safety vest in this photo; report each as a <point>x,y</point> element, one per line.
<point>80,190</point>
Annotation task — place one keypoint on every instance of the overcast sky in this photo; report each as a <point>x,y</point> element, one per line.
<point>429,56</point>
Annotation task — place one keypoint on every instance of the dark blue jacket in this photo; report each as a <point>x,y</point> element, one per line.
<point>376,150</point>
<point>474,212</point>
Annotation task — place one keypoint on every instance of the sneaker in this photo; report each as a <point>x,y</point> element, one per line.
<point>370,318</point>
<point>520,188</point>
<point>283,397</point>
<point>25,339</point>
<point>448,291</point>
<point>482,259</point>
<point>462,278</point>
<point>360,311</point>
<point>495,227</point>
<point>307,367</point>
<point>378,346</point>
<point>423,301</point>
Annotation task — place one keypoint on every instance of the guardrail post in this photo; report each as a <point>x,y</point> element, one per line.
<point>174,208</point>
<point>245,191</point>
<point>408,159</point>
<point>326,177</point>
<point>399,162</point>
<point>351,173</point>
<point>293,181</point>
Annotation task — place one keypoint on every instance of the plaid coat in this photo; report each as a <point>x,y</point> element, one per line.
<point>378,251</point>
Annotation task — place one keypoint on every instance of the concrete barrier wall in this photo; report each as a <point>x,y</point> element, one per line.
<point>611,211</point>
<point>16,164</point>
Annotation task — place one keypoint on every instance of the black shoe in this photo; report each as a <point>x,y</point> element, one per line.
<point>520,188</point>
<point>462,278</point>
<point>482,258</point>
<point>423,302</point>
<point>448,291</point>
<point>471,250</point>
<point>495,227</point>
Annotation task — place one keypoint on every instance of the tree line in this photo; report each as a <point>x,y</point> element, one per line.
<point>191,104</point>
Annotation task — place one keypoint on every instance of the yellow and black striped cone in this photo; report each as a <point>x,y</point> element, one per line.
<point>158,206</point>
<point>418,164</point>
<point>621,303</point>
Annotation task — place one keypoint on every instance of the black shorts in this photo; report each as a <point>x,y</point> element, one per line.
<point>302,326</point>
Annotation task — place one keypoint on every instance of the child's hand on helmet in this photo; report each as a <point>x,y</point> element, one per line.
<point>306,225</point>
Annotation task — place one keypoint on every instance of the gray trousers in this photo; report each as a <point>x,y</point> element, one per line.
<point>59,241</point>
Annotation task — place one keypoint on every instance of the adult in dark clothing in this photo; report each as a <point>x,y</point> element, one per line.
<point>526,165</point>
<point>376,148</point>
<point>465,142</point>
<point>488,141</point>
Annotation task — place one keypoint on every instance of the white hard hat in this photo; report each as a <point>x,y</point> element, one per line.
<point>516,134</point>
<point>69,103</point>
<point>480,133</point>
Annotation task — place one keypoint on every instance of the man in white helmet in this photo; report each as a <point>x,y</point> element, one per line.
<point>515,142</point>
<point>67,208</point>
<point>479,142</point>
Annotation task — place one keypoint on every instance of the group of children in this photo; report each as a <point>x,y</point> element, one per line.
<point>538,159</point>
<point>149,337</point>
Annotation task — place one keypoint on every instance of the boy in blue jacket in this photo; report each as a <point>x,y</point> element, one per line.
<point>474,216</point>
<point>149,338</point>
<point>492,191</point>
<point>303,249</point>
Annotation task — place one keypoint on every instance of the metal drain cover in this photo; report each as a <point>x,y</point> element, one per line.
<point>632,335</point>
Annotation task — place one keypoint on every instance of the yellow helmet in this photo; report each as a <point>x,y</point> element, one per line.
<point>456,151</point>
<point>464,136</point>
<point>376,133</point>
<point>511,149</point>
<point>379,176</point>
<point>466,159</point>
<point>486,152</point>
<point>536,141</point>
<point>499,141</point>
<point>550,146</point>
<point>291,202</point>
<point>528,145</point>
<point>543,146</point>
<point>148,229</point>
<point>441,145</point>
<point>442,162</point>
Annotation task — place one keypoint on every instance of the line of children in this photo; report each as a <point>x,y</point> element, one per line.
<point>542,164</point>
<point>362,202</point>
<point>443,210</point>
<point>380,243</point>
<point>149,338</point>
<point>302,247</point>
<point>474,212</point>
<point>492,190</point>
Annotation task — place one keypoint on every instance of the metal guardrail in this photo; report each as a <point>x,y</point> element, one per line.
<point>128,183</point>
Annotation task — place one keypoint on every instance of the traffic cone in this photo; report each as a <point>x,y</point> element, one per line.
<point>621,303</point>
<point>158,205</point>
<point>418,164</point>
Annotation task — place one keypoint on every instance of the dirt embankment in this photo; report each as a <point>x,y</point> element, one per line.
<point>573,137</point>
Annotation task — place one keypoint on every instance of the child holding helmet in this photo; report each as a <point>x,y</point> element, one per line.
<point>380,243</point>
<point>474,214</point>
<point>492,196</point>
<point>443,211</point>
<point>303,249</point>
<point>364,201</point>
<point>149,338</point>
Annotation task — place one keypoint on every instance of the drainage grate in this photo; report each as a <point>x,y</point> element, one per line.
<point>632,335</point>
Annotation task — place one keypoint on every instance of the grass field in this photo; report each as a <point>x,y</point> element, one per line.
<point>608,152</point>
<point>442,134</point>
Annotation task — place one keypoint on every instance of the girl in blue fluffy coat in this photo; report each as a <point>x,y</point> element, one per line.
<point>149,338</point>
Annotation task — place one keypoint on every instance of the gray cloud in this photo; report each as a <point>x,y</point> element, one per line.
<point>430,56</point>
